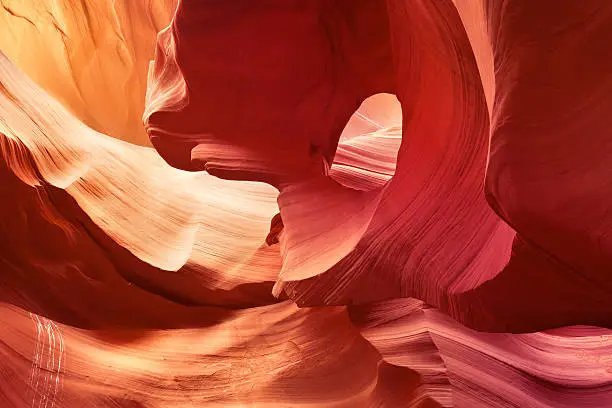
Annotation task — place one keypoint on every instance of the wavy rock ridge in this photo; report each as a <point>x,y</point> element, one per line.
<point>343,245</point>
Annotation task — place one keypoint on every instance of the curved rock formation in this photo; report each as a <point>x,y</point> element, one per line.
<point>383,179</point>
<point>429,231</point>
<point>92,56</point>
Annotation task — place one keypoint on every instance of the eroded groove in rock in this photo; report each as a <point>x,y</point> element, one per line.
<point>414,169</point>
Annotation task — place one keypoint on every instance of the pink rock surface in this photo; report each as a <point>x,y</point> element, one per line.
<point>429,231</point>
<point>405,204</point>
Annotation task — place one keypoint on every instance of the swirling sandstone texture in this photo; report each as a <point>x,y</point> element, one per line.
<point>92,56</point>
<point>349,203</point>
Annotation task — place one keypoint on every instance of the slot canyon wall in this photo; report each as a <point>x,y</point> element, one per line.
<point>288,203</point>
